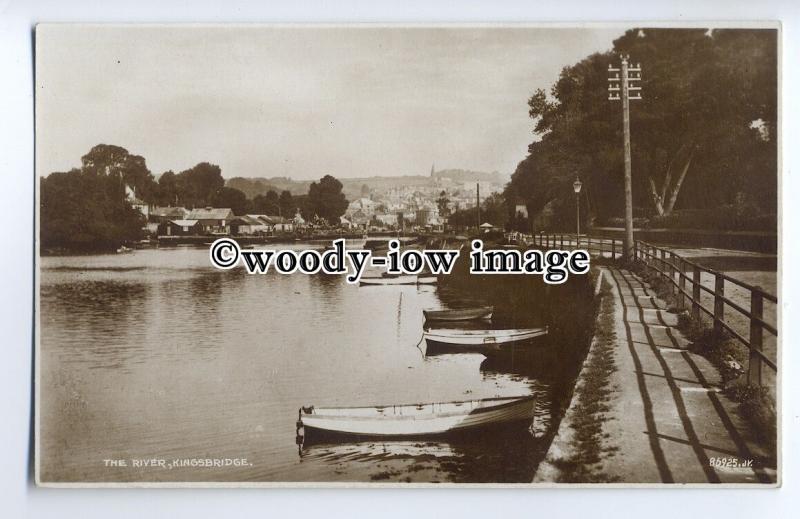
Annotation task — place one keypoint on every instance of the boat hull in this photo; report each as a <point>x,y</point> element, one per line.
<point>423,420</point>
<point>466,314</point>
<point>400,280</point>
<point>482,342</point>
<point>483,337</point>
<point>427,280</point>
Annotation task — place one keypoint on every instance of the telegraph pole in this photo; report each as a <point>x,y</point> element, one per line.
<point>478,200</point>
<point>620,89</point>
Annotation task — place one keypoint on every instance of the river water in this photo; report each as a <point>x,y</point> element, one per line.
<point>156,355</point>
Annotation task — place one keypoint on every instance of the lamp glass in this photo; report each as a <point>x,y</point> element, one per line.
<point>577,185</point>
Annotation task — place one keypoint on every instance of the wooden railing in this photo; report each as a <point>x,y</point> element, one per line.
<point>685,281</point>
<point>595,245</point>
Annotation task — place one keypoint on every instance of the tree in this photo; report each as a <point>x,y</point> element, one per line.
<point>493,210</point>
<point>233,198</point>
<point>443,203</point>
<point>85,209</point>
<point>326,200</point>
<point>702,135</point>
<point>266,204</point>
<point>198,185</point>
<point>287,205</point>
<point>115,161</point>
<point>168,189</point>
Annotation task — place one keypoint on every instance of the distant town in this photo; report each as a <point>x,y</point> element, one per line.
<point>382,203</point>
<point>121,203</point>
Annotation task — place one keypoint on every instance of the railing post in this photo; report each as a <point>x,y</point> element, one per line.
<point>562,242</point>
<point>756,336</point>
<point>614,249</point>
<point>671,256</point>
<point>696,293</point>
<point>681,284</point>
<point>635,249</point>
<point>719,304</point>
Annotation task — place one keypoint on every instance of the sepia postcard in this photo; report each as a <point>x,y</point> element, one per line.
<point>407,255</point>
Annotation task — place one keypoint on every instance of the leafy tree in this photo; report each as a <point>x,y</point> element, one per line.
<point>233,198</point>
<point>287,204</point>
<point>86,209</point>
<point>326,200</point>
<point>493,210</point>
<point>702,137</point>
<point>266,204</point>
<point>443,203</point>
<point>115,161</point>
<point>198,185</point>
<point>168,189</point>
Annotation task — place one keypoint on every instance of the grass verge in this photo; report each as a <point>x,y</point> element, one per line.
<point>591,396</point>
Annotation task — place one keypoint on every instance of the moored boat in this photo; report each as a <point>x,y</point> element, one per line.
<point>486,342</point>
<point>459,314</point>
<point>478,337</point>
<point>414,420</point>
<point>398,280</point>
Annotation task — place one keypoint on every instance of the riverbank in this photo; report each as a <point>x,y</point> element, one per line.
<point>645,409</point>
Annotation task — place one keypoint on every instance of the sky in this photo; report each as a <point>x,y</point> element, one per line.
<point>300,102</point>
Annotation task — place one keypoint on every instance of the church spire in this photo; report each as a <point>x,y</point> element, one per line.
<point>433,168</point>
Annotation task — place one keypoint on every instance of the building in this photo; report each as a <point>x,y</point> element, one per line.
<point>298,221</point>
<point>249,224</point>
<point>362,206</point>
<point>213,220</point>
<point>277,223</point>
<point>139,205</point>
<point>165,214</point>
<point>388,219</point>
<point>358,219</point>
<point>181,228</point>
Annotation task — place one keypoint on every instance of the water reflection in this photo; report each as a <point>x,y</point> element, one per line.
<point>156,354</point>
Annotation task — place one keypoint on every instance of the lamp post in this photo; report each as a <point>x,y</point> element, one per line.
<point>577,187</point>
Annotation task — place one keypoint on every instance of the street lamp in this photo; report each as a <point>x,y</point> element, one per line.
<point>577,185</point>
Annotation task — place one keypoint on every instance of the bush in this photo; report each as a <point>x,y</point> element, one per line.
<point>725,218</point>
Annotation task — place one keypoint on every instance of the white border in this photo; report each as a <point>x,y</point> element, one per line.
<point>16,135</point>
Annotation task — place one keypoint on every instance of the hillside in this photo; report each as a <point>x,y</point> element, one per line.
<point>465,175</point>
<point>352,186</point>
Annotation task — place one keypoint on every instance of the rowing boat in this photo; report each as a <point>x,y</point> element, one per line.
<point>485,342</point>
<point>461,314</point>
<point>399,280</point>
<point>427,280</point>
<point>482,337</point>
<point>414,420</point>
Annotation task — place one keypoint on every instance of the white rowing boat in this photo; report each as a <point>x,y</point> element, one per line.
<point>459,314</point>
<point>427,280</point>
<point>395,280</point>
<point>482,337</point>
<point>418,419</point>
